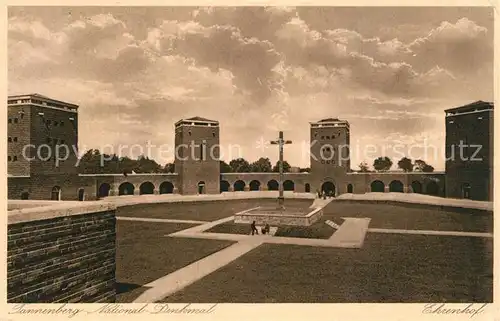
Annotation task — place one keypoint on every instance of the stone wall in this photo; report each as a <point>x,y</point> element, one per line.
<point>39,187</point>
<point>61,253</point>
<point>278,219</point>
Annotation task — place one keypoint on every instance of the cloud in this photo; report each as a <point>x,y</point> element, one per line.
<point>462,46</point>
<point>217,47</point>
<point>385,51</point>
<point>22,26</point>
<point>263,69</point>
<point>245,19</point>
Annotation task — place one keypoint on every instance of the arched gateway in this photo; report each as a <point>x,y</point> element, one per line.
<point>328,188</point>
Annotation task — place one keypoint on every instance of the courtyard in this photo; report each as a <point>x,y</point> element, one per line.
<point>194,252</point>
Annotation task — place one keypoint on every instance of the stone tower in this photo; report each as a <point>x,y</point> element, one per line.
<point>470,175</point>
<point>197,153</point>
<point>40,127</point>
<point>329,150</point>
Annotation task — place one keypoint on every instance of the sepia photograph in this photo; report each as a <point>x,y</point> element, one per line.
<point>249,154</point>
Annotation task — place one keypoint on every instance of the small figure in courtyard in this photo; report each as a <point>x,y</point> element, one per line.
<point>319,193</point>
<point>266,229</point>
<point>324,195</point>
<point>254,229</point>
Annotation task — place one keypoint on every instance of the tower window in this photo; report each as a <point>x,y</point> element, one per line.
<point>202,150</point>
<point>56,123</point>
<point>10,121</point>
<point>9,158</point>
<point>322,137</point>
<point>9,139</point>
<point>189,132</point>
<point>62,123</point>
<point>213,134</point>
<point>15,139</point>
<point>15,159</point>
<point>47,122</point>
<point>15,120</point>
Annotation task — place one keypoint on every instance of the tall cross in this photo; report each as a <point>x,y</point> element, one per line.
<point>281,142</point>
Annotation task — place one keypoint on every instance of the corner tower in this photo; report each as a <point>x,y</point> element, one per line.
<point>197,153</point>
<point>469,151</point>
<point>38,128</point>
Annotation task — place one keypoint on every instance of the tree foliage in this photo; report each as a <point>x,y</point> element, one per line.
<point>382,164</point>
<point>363,167</point>
<point>405,164</point>
<point>224,167</point>
<point>93,162</point>
<point>239,165</point>
<point>422,166</point>
<point>262,165</point>
<point>286,167</point>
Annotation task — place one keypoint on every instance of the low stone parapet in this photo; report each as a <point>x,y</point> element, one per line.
<point>60,252</point>
<point>263,216</point>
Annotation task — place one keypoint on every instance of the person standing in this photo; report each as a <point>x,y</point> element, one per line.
<point>254,228</point>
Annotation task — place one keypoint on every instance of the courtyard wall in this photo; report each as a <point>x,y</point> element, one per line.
<point>61,253</point>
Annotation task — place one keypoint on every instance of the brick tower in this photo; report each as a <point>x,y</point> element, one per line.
<point>197,153</point>
<point>38,128</point>
<point>470,175</point>
<point>329,153</point>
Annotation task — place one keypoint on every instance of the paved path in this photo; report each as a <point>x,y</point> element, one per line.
<point>159,220</point>
<point>351,233</point>
<point>203,227</point>
<point>173,282</point>
<point>319,202</point>
<point>429,232</point>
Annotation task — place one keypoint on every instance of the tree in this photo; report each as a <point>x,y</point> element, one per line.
<point>286,167</point>
<point>224,167</point>
<point>262,165</point>
<point>305,170</point>
<point>363,167</point>
<point>382,164</point>
<point>127,165</point>
<point>405,164</point>
<point>146,165</point>
<point>90,162</point>
<point>239,165</point>
<point>169,168</point>
<point>428,169</point>
<point>422,166</point>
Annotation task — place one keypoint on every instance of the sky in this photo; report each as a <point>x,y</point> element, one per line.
<point>134,71</point>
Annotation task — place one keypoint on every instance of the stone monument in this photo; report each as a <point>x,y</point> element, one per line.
<point>280,215</point>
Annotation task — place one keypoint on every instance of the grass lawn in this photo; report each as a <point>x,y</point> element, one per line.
<point>201,211</point>
<point>389,268</point>
<point>318,230</point>
<point>409,216</point>
<point>144,254</point>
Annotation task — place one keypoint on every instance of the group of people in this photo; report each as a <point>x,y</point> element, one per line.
<point>325,194</point>
<point>264,230</point>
